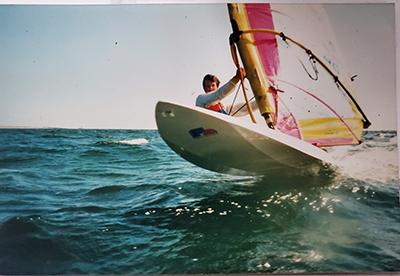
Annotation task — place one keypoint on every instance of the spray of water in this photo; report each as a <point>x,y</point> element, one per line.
<point>368,162</point>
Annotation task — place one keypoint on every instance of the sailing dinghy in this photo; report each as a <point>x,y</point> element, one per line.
<point>306,92</point>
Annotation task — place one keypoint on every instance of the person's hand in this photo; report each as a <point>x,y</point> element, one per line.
<point>238,71</point>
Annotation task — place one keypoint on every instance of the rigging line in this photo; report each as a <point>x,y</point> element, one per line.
<point>234,100</point>
<point>236,61</point>
<point>366,122</point>
<point>311,59</point>
<point>240,108</point>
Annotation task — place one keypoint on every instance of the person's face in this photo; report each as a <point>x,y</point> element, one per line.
<point>210,86</point>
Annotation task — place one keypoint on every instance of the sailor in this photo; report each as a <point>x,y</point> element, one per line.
<point>212,99</point>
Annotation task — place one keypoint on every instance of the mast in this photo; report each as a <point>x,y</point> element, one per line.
<point>248,51</point>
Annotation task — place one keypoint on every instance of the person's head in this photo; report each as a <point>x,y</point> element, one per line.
<point>210,83</point>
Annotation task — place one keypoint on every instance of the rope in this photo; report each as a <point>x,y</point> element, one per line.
<point>234,100</point>
<point>240,108</point>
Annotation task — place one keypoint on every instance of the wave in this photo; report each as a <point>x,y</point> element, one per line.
<point>133,141</point>
<point>86,209</point>
<point>108,190</point>
<point>375,159</point>
<point>376,164</point>
<point>138,141</point>
<point>20,237</point>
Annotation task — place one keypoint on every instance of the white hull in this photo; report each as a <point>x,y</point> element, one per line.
<point>224,144</point>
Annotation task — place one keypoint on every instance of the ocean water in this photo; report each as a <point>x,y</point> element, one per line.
<point>121,202</point>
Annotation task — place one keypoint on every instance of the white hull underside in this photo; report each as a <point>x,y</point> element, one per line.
<point>224,144</point>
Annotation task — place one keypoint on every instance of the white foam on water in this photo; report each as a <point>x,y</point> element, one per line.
<point>374,163</point>
<point>138,141</point>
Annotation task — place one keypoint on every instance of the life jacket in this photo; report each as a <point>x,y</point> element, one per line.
<point>219,107</point>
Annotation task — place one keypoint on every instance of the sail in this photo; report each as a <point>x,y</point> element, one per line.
<point>297,72</point>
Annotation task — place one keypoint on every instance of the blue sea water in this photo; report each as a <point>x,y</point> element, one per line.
<point>77,201</point>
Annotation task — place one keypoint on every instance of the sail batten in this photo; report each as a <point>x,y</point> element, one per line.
<point>315,105</point>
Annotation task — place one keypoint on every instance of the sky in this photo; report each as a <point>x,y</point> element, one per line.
<point>106,66</point>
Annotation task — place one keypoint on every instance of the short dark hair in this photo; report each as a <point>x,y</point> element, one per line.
<point>211,78</point>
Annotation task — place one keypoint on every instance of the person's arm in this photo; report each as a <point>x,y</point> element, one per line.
<point>209,99</point>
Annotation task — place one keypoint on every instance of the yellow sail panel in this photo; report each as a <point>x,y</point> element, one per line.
<point>331,131</point>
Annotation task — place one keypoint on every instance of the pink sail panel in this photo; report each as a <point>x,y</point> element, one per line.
<point>260,17</point>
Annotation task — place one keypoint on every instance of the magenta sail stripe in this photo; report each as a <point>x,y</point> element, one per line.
<point>260,17</point>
